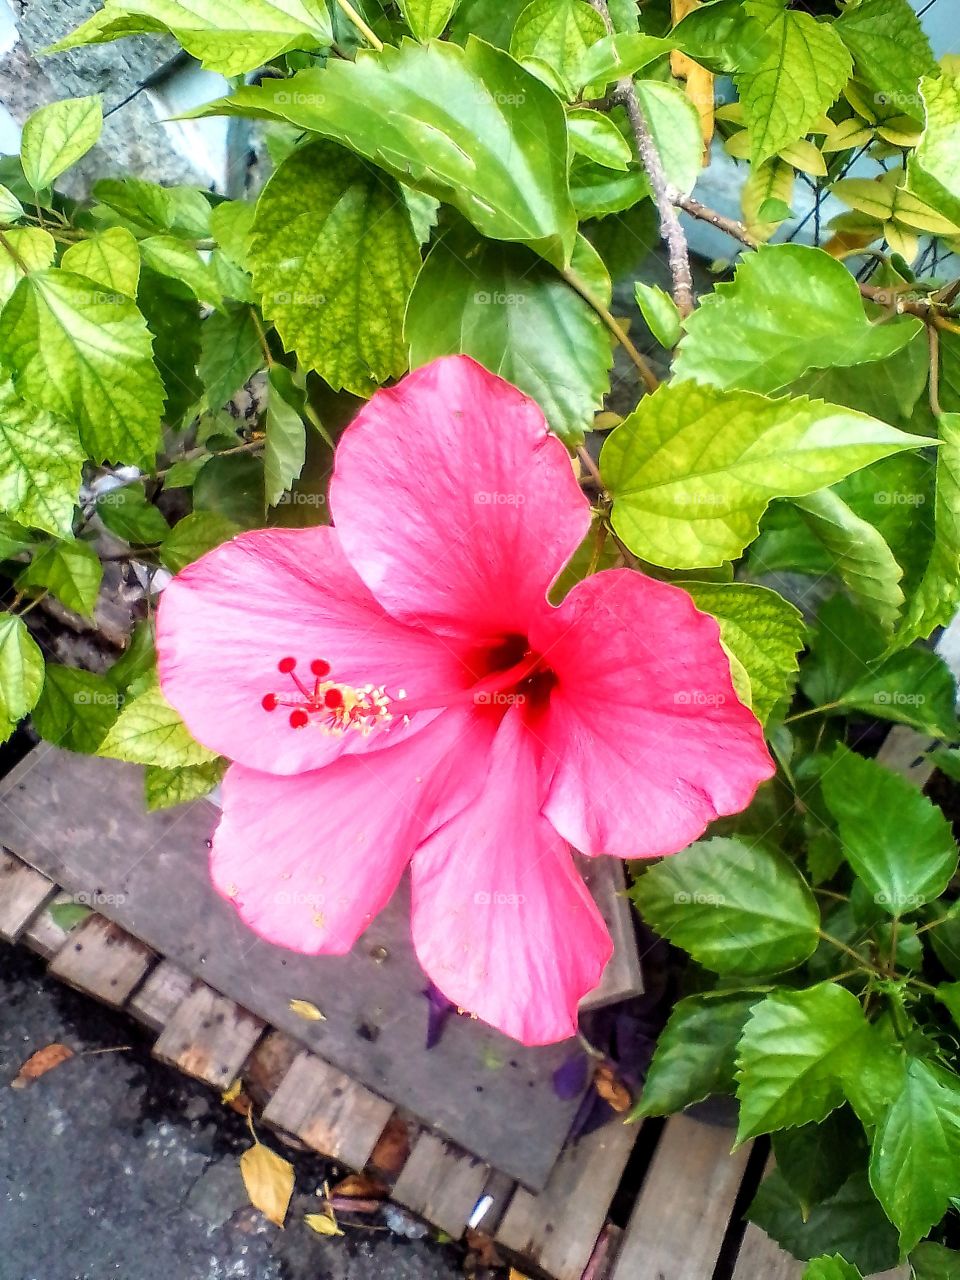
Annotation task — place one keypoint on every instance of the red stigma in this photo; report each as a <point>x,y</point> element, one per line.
<point>333,698</point>
<point>320,668</point>
<point>269,702</point>
<point>299,718</point>
<point>286,665</point>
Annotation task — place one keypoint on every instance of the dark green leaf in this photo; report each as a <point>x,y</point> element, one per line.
<point>230,353</point>
<point>194,536</point>
<point>70,570</point>
<point>127,513</point>
<point>75,709</point>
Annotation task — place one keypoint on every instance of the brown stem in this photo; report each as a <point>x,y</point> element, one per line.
<point>731,226</point>
<point>651,382</point>
<point>933,337</point>
<point>13,253</point>
<point>591,468</point>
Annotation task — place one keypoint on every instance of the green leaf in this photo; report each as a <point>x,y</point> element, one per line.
<point>850,1223</point>
<point>834,1268</point>
<point>660,312</point>
<point>736,907</point>
<point>21,672</point>
<point>817,1159</point>
<point>230,353</point>
<point>509,310</point>
<point>722,37</point>
<point>285,449</point>
<point>171,257</point>
<point>801,75</point>
<point>229,36</point>
<point>696,1053</point>
<point>617,56</point>
<point>11,210</point>
<point>98,344</point>
<point>674,125</point>
<point>763,633</point>
<point>168,787</point>
<point>40,465</point>
<point>557,32</point>
<point>185,211</point>
<point>847,671</point>
<point>890,50</point>
<point>427,18</point>
<point>67,915</point>
<point>886,389</point>
<point>25,247</point>
<point>111,258</point>
<point>468,126</point>
<point>934,1262</point>
<point>127,513</point>
<point>597,137</point>
<point>231,486</point>
<point>75,709</point>
<point>334,301</point>
<point>231,224</point>
<point>149,731</point>
<point>858,553</point>
<point>70,570</point>
<point>915,1159</point>
<point>937,597</point>
<point>57,136</point>
<point>490,20</point>
<point>194,536</point>
<point>932,170</point>
<point>797,1047</point>
<point>789,308</point>
<point>693,468</point>
<point>173,318</point>
<point>897,841</point>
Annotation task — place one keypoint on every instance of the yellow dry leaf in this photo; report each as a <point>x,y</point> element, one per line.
<point>229,1095</point>
<point>39,1063</point>
<point>517,1275</point>
<point>304,1009</point>
<point>269,1181</point>
<point>324,1224</point>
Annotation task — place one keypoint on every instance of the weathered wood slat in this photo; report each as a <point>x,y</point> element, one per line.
<point>761,1256</point>
<point>328,1111</point>
<point>558,1228</point>
<point>23,892</point>
<point>103,960</point>
<point>622,978</point>
<point>441,1184</point>
<point>680,1218</point>
<point>164,990</point>
<point>43,934</point>
<point>208,1037</point>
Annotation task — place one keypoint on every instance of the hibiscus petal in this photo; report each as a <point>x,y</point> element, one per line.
<point>453,502</point>
<point>647,737</point>
<point>502,922</point>
<point>309,860</point>
<point>227,620</point>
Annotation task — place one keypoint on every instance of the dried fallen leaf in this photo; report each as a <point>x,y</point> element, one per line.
<point>324,1224</point>
<point>393,1147</point>
<point>39,1063</point>
<point>234,1091</point>
<point>517,1275</point>
<point>304,1009</point>
<point>611,1089</point>
<point>269,1181</point>
<point>360,1186</point>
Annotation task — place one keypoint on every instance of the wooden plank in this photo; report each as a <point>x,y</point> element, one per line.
<point>680,1218</point>
<point>23,891</point>
<point>606,880</point>
<point>328,1111</point>
<point>103,960</point>
<point>441,1184</point>
<point>43,934</point>
<point>903,751</point>
<point>558,1228</point>
<point>164,990</point>
<point>761,1256</point>
<point>208,1037</point>
<point>153,870</point>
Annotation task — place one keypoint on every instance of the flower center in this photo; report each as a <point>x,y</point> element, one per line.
<point>331,706</point>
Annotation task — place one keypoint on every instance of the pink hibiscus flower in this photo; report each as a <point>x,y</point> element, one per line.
<point>396,690</point>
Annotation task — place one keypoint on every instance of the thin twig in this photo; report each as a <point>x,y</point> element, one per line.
<point>590,466</point>
<point>678,254</point>
<point>933,337</point>
<point>731,226</point>
<point>646,373</point>
<point>361,26</point>
<point>13,253</point>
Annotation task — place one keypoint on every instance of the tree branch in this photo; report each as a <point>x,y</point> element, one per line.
<point>719,220</point>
